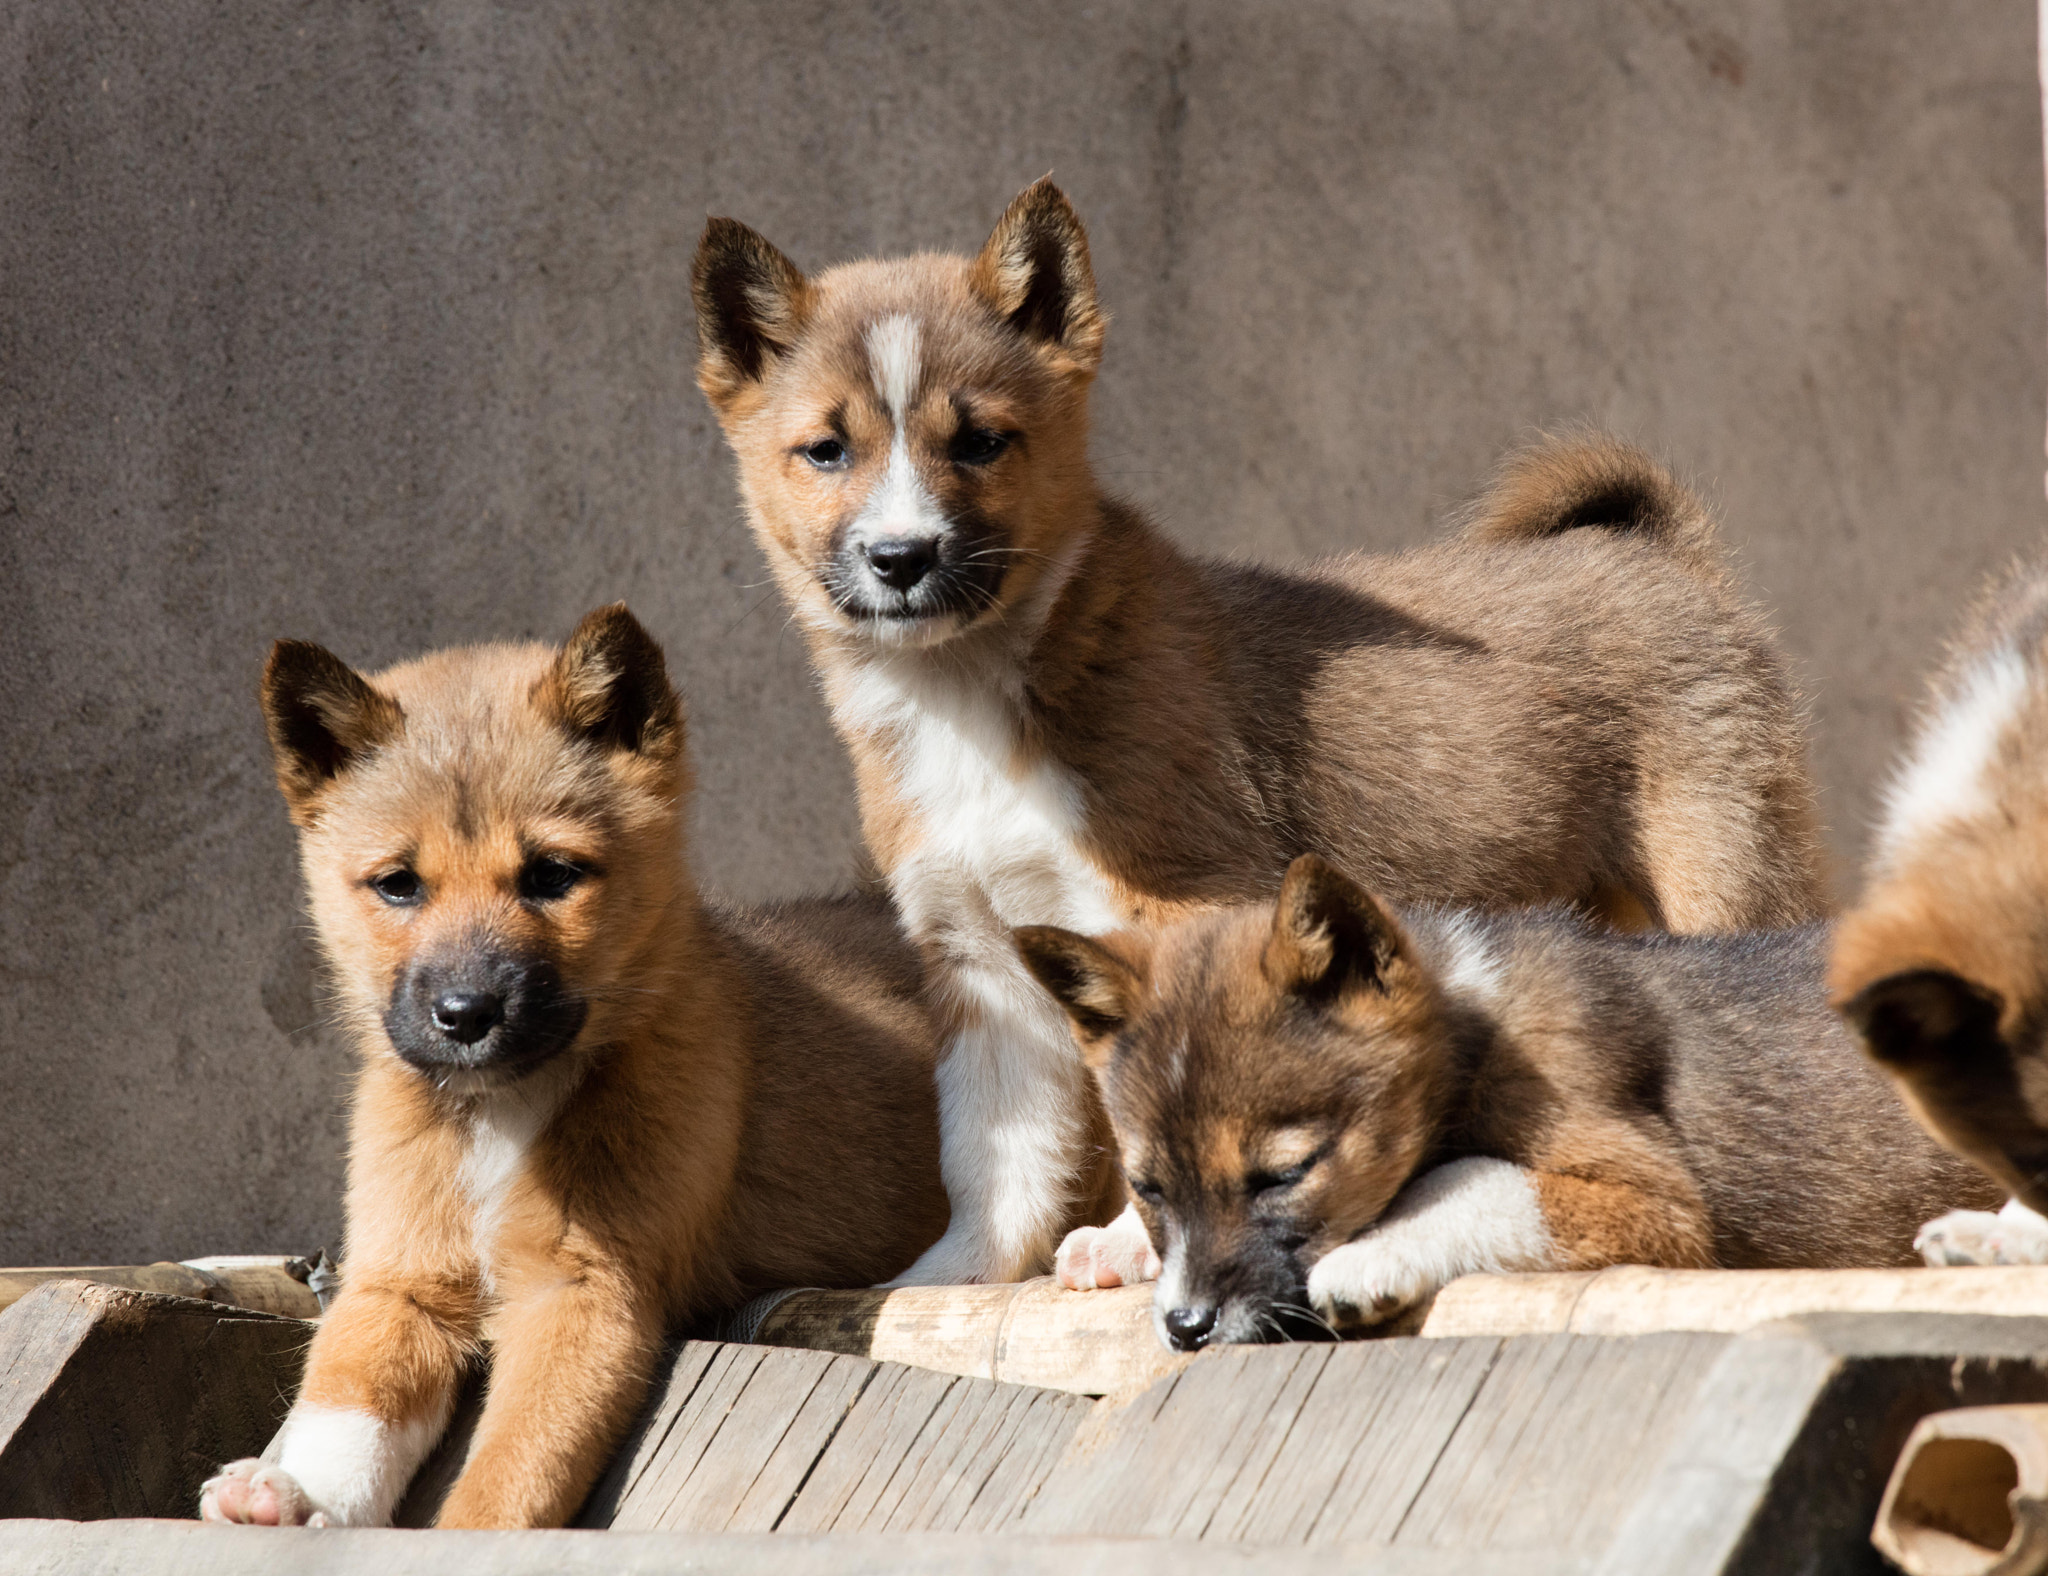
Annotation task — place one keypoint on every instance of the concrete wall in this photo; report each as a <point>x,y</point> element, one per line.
<point>368,323</point>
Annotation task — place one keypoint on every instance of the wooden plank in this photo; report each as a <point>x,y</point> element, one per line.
<point>1019,1460</point>
<point>1489,1436</point>
<point>855,1470</point>
<point>643,1446</point>
<point>789,1466</point>
<point>695,1425</point>
<point>760,1422</point>
<point>1634,1299</point>
<point>116,1402</point>
<point>163,1548</point>
<point>990,1429</point>
<point>1089,1343</point>
<point>1559,1441</point>
<point>1175,1465</point>
<point>259,1282</point>
<point>1362,1444</point>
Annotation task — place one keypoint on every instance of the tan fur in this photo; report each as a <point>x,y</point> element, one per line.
<point>747,1104</point>
<point>1686,1102</point>
<point>1567,700</point>
<point>1943,964</point>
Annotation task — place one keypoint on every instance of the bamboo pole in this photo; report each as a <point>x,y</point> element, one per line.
<point>1631,1299</point>
<point>1969,1495</point>
<point>263,1283</point>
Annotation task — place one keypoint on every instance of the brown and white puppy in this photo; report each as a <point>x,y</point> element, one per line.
<point>1943,965</point>
<point>590,1105</point>
<point>1328,1108</point>
<point>1057,717</point>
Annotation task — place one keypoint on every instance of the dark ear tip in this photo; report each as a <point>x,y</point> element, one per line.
<point>1915,1013</point>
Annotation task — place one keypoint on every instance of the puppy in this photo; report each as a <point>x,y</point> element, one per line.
<point>1328,1108</point>
<point>1057,717</point>
<point>590,1105</point>
<point>1943,965</point>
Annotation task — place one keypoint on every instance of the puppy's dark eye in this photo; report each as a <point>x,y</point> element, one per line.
<point>398,887</point>
<point>1150,1192</point>
<point>1279,1181</point>
<point>544,880</point>
<point>827,454</point>
<point>978,445</point>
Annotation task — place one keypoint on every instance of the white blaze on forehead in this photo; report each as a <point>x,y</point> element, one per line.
<point>1943,779</point>
<point>892,360</point>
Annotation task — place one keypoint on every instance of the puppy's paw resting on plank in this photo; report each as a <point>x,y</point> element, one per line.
<point>258,1494</point>
<point>1470,1216</point>
<point>2015,1235</point>
<point>1095,1258</point>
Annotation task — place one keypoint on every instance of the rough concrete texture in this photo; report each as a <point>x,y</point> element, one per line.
<point>368,323</point>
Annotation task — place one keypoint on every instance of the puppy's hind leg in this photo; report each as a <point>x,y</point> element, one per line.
<point>1719,852</point>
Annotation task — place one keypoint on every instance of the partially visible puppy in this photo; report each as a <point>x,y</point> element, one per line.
<point>590,1106</point>
<point>1943,965</point>
<point>1328,1108</point>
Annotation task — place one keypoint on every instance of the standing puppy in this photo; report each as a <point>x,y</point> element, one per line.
<point>1057,717</point>
<point>1328,1108</point>
<point>1943,965</point>
<point>590,1105</point>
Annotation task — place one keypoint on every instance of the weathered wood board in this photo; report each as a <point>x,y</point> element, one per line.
<point>1539,1442</point>
<point>120,1403</point>
<point>759,1439</point>
<point>1681,1454</point>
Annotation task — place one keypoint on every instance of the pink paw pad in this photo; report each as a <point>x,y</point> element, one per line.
<point>1096,1258</point>
<point>257,1494</point>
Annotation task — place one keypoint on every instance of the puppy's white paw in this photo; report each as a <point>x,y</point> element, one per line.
<point>1369,1281</point>
<point>258,1494</point>
<point>2015,1235</point>
<point>1094,1258</point>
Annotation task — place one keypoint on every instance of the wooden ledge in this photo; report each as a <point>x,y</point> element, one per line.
<point>1633,1300</point>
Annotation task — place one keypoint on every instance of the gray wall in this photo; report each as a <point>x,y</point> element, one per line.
<point>368,323</point>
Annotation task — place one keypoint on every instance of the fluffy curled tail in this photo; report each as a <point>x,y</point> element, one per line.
<point>1599,482</point>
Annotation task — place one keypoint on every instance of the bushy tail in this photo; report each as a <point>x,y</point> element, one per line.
<point>1593,481</point>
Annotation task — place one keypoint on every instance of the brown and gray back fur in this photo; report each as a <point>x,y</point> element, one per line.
<point>1722,1048</point>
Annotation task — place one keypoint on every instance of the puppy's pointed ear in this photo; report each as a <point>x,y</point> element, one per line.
<point>1034,271</point>
<point>1099,989</point>
<point>1329,934</point>
<point>609,685</point>
<point>1920,1018</point>
<point>750,301</point>
<point>321,716</point>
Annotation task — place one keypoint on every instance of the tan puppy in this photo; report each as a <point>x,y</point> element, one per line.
<point>1943,966</point>
<point>1057,717</point>
<point>589,1105</point>
<point>1328,1108</point>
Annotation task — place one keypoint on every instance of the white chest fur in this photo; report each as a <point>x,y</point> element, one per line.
<point>996,835</point>
<point>502,1128</point>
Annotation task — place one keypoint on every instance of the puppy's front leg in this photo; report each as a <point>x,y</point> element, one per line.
<point>1467,1217</point>
<point>570,1365</point>
<point>1013,1105</point>
<point>380,1383</point>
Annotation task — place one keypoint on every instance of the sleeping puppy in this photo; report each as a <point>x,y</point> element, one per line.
<point>1943,966</point>
<point>1328,1108</point>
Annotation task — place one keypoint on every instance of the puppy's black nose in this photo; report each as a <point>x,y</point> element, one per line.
<point>899,562</point>
<point>1188,1328</point>
<point>466,1016</point>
